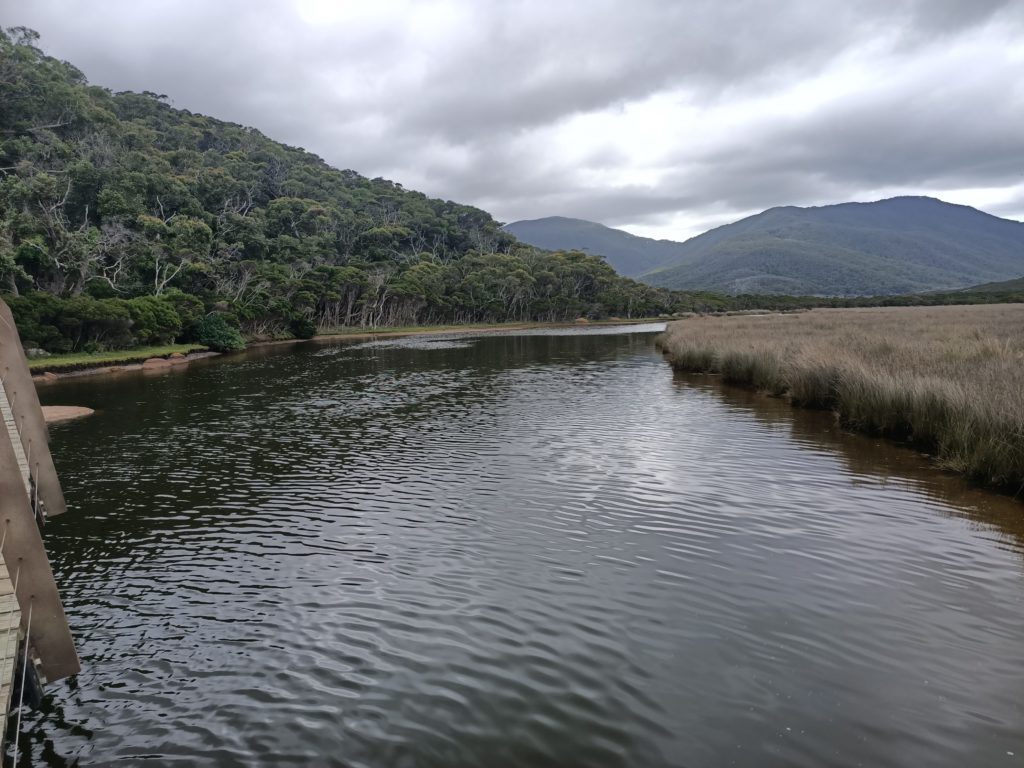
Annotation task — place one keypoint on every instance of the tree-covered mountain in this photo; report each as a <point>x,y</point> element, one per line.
<point>895,246</point>
<point>630,255</point>
<point>125,221</point>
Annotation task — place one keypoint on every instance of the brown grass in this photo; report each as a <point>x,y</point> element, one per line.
<point>950,379</point>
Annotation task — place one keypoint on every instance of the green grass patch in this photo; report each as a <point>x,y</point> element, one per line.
<point>89,359</point>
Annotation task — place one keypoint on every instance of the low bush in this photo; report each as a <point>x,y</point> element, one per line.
<point>216,332</point>
<point>303,328</point>
<point>88,324</point>
<point>154,320</point>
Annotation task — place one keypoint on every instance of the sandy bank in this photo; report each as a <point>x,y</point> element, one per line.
<point>55,414</point>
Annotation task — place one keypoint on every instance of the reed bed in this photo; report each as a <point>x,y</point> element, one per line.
<point>950,379</point>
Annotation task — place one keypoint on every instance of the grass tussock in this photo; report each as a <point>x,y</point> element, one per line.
<point>949,379</point>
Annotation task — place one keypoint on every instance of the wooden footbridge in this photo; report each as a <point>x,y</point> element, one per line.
<point>36,646</point>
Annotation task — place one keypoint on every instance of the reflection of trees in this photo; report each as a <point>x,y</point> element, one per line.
<point>873,457</point>
<point>209,444</point>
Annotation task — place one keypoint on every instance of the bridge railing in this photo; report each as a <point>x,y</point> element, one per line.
<point>25,506</point>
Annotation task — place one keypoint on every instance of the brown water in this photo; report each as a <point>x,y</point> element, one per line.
<point>537,549</point>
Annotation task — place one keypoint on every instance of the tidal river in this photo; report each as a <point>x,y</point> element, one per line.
<point>538,549</point>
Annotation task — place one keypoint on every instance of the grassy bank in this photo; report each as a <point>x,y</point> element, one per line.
<point>56,363</point>
<point>950,379</point>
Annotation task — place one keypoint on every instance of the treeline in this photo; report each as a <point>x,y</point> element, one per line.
<point>124,221</point>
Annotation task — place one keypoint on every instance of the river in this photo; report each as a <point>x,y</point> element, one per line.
<point>531,549</point>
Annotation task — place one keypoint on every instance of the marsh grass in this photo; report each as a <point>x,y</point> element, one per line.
<point>949,379</point>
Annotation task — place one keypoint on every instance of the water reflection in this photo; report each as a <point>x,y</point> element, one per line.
<point>874,460</point>
<point>514,550</point>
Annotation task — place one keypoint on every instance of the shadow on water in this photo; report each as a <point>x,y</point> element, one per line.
<point>873,459</point>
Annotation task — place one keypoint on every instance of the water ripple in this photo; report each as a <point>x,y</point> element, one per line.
<point>521,549</point>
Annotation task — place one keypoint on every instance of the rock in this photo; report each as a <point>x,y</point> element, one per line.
<point>582,321</point>
<point>33,352</point>
<point>53,414</point>
<point>176,356</point>
<point>47,376</point>
<point>156,362</point>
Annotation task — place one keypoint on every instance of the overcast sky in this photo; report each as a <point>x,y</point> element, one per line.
<point>660,117</point>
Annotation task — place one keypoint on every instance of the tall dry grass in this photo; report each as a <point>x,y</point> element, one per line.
<point>950,379</point>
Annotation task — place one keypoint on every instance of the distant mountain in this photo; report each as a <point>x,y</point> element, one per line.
<point>900,245</point>
<point>895,246</point>
<point>628,254</point>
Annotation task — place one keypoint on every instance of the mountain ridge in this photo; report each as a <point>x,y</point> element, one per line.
<point>630,255</point>
<point>898,245</point>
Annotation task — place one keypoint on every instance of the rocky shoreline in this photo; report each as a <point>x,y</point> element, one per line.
<point>149,364</point>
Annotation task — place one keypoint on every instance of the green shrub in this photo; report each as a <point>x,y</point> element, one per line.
<point>105,323</point>
<point>72,324</point>
<point>190,310</point>
<point>303,328</point>
<point>154,321</point>
<point>215,332</point>
<point>35,315</point>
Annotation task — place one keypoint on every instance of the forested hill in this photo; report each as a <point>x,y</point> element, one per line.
<point>895,246</point>
<point>629,254</point>
<point>126,221</point>
<point>889,247</point>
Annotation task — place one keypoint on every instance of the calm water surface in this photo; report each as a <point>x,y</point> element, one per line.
<point>516,550</point>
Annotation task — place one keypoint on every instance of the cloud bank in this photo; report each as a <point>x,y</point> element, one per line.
<point>661,117</point>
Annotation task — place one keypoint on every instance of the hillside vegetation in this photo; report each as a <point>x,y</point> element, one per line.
<point>896,246</point>
<point>628,254</point>
<point>946,378</point>
<point>124,221</point>
<point>890,247</point>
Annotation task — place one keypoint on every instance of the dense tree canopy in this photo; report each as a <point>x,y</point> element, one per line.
<point>123,220</point>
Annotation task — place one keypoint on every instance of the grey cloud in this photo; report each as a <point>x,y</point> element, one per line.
<point>928,17</point>
<point>460,110</point>
<point>962,133</point>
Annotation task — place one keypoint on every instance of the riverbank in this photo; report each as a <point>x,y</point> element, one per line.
<point>57,367</point>
<point>947,379</point>
<point>81,360</point>
<point>62,370</point>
